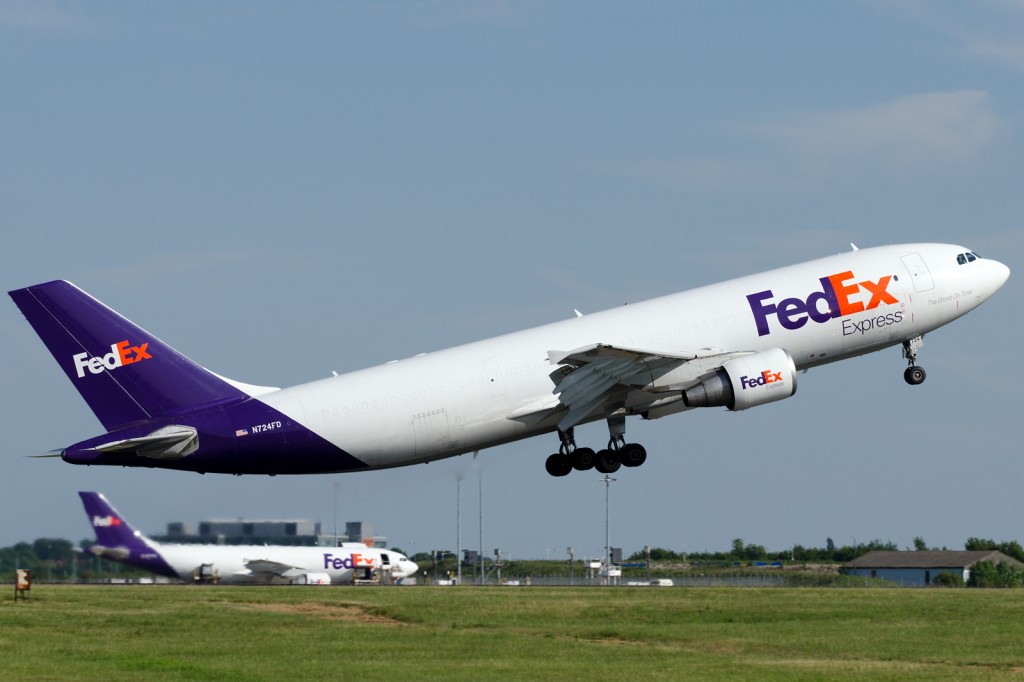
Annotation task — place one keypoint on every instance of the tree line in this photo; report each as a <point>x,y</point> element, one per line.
<point>58,560</point>
<point>830,553</point>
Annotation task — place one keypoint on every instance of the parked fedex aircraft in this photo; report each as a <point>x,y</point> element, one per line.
<point>736,345</point>
<point>279,564</point>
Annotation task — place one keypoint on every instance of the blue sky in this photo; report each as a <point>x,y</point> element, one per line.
<point>285,190</point>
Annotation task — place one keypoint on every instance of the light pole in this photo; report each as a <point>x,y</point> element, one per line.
<point>607,527</point>
<point>570,551</point>
<point>480,556</point>
<point>336,543</point>
<point>458,528</point>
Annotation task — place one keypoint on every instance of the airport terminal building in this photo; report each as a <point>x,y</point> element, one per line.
<point>269,532</point>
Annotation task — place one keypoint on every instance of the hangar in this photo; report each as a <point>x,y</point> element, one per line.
<point>921,568</point>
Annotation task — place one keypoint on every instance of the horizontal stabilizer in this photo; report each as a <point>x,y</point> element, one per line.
<point>48,455</point>
<point>169,442</point>
<point>112,553</point>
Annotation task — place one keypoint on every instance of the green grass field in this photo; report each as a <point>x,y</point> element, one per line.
<point>417,633</point>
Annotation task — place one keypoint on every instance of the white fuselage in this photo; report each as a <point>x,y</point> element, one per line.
<point>471,397</point>
<point>241,563</point>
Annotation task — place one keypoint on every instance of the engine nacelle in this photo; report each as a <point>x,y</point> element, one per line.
<point>746,381</point>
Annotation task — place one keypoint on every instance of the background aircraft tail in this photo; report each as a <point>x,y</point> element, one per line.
<point>124,373</point>
<point>117,541</point>
<point>111,529</point>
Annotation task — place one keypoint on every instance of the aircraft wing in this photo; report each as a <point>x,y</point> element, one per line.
<point>601,375</point>
<point>169,442</point>
<point>268,567</point>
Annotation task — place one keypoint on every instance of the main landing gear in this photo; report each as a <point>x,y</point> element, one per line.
<point>913,375</point>
<point>607,461</point>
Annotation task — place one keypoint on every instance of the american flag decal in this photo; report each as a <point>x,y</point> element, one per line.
<point>242,432</point>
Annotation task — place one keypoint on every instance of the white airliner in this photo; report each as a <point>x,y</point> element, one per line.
<point>266,564</point>
<point>736,345</point>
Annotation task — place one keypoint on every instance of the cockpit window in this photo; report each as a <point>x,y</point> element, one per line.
<point>969,257</point>
<point>961,258</point>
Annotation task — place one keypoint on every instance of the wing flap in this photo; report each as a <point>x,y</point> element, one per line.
<point>270,567</point>
<point>601,376</point>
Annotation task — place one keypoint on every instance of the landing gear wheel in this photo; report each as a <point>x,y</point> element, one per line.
<point>633,455</point>
<point>608,461</point>
<point>558,465</point>
<point>582,459</point>
<point>914,375</point>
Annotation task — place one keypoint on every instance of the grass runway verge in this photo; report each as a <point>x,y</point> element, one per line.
<point>513,633</point>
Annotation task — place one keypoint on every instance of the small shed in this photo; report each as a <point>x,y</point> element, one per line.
<point>921,568</point>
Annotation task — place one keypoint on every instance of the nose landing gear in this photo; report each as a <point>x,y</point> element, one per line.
<point>913,375</point>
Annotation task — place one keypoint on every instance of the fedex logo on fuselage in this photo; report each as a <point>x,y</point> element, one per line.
<point>841,295</point>
<point>354,560</point>
<point>120,354</point>
<point>105,521</point>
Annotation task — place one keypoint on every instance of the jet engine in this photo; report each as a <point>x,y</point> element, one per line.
<point>746,381</point>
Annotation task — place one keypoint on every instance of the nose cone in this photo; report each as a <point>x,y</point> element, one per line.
<point>404,568</point>
<point>1000,273</point>
<point>989,278</point>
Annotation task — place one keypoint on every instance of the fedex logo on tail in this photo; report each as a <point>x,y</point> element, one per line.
<point>840,296</point>
<point>105,521</point>
<point>120,354</point>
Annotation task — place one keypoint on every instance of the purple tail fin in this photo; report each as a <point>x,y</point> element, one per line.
<point>117,541</point>
<point>124,373</point>
<point>111,530</point>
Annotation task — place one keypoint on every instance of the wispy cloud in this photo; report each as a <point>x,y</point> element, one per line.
<point>1009,54</point>
<point>171,265</point>
<point>908,133</point>
<point>462,14</point>
<point>809,151</point>
<point>40,16</point>
<point>710,174</point>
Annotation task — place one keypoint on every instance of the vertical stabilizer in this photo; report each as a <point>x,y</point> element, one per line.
<point>123,372</point>
<point>110,528</point>
<point>117,541</point>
